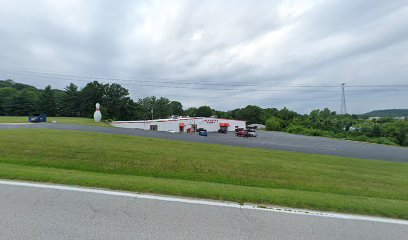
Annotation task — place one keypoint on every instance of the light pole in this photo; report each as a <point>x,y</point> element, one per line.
<point>343,109</point>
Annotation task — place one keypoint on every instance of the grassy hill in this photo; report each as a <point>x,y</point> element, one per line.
<point>388,113</point>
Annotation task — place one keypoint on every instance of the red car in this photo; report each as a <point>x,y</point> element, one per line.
<point>240,132</point>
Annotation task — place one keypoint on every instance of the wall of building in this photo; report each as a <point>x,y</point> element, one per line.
<point>210,124</point>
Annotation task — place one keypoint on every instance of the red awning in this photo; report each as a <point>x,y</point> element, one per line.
<point>224,124</point>
<point>181,125</point>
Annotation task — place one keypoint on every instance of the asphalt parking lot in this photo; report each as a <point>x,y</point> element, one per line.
<point>265,139</point>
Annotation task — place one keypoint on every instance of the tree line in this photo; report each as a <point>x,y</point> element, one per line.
<point>18,99</point>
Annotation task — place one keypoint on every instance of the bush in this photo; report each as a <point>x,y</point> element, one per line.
<point>383,140</point>
<point>317,132</point>
<point>360,138</point>
<point>375,131</point>
<point>273,124</point>
<point>340,135</point>
<point>296,129</point>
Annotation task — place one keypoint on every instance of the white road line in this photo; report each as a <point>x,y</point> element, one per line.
<point>206,202</point>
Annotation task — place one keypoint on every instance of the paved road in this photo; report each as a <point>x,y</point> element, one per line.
<point>43,213</point>
<point>270,140</point>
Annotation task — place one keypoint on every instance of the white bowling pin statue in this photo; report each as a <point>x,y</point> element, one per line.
<point>97,114</point>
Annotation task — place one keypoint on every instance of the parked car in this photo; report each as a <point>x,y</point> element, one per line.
<point>241,132</point>
<point>222,130</point>
<point>201,129</point>
<point>38,118</point>
<point>202,132</point>
<point>251,132</point>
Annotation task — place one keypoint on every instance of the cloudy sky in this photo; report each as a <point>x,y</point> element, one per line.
<point>225,54</point>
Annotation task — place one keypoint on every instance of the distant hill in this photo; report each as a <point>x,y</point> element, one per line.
<point>17,86</point>
<point>388,113</point>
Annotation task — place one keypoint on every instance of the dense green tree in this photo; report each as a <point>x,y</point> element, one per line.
<point>6,83</point>
<point>25,103</point>
<point>268,113</point>
<point>162,108</point>
<point>59,96</point>
<point>402,137</point>
<point>251,114</point>
<point>91,94</point>
<point>7,94</point>
<point>222,114</point>
<point>176,108</point>
<point>116,102</point>
<point>385,120</point>
<point>273,124</point>
<point>192,112</point>
<point>47,102</point>
<point>376,131</point>
<point>327,120</point>
<point>286,114</point>
<point>153,108</point>
<point>397,130</point>
<point>204,111</point>
<point>71,102</point>
<point>146,107</point>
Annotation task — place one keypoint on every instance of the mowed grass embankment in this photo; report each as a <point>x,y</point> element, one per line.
<point>206,170</point>
<point>66,120</point>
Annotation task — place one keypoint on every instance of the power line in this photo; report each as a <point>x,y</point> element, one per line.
<point>160,80</point>
<point>74,78</point>
<point>173,81</point>
<point>267,99</point>
<point>179,87</point>
<point>71,78</point>
<point>240,98</point>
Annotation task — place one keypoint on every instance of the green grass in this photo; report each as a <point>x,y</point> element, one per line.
<point>13,119</point>
<point>206,170</point>
<point>67,120</point>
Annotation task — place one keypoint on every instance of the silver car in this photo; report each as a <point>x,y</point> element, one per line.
<point>251,133</point>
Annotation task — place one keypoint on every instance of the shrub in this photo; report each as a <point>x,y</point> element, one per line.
<point>273,124</point>
<point>383,140</point>
<point>316,132</point>
<point>296,129</point>
<point>107,120</point>
<point>361,138</point>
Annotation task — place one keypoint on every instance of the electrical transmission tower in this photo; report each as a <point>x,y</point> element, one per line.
<point>343,100</point>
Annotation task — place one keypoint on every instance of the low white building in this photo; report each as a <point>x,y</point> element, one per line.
<point>183,124</point>
<point>257,126</point>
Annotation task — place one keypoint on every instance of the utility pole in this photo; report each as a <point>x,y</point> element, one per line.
<point>343,100</point>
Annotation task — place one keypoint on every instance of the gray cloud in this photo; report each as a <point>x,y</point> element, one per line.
<point>269,43</point>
